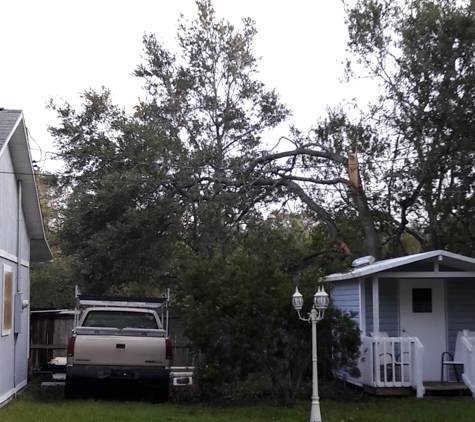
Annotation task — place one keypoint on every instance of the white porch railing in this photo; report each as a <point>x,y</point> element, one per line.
<point>468,359</point>
<point>392,362</point>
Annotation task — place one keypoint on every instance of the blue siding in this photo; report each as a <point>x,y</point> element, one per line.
<point>388,306</point>
<point>369,305</point>
<point>13,348</point>
<point>460,308</point>
<point>346,296</point>
<point>8,205</point>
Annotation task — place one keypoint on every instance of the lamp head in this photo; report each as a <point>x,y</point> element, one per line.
<point>321,299</point>
<point>297,299</point>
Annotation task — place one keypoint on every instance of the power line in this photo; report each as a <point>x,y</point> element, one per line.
<point>309,167</point>
<point>307,189</point>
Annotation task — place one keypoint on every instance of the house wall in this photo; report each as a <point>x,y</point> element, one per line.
<point>8,207</point>
<point>13,346</point>
<point>7,345</point>
<point>388,306</point>
<point>460,308</point>
<point>346,296</point>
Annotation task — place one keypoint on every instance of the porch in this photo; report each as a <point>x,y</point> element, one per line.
<point>394,366</point>
<point>422,303</point>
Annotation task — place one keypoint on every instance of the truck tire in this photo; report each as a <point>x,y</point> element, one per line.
<point>71,389</point>
<point>161,393</point>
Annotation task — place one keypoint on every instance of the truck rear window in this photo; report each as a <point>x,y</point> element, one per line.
<point>120,320</point>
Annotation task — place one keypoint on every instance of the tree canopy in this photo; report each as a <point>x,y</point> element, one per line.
<point>121,212</point>
<point>400,171</point>
<point>422,54</point>
<point>140,182</point>
<point>169,195</point>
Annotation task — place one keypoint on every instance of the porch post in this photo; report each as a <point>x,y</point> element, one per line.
<point>375,304</point>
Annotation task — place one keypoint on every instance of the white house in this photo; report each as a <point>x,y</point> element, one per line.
<point>22,241</point>
<point>411,310</point>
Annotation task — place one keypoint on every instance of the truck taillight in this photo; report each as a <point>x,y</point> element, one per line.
<point>169,352</point>
<point>72,340</point>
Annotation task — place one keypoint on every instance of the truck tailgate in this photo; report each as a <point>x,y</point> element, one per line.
<point>119,350</point>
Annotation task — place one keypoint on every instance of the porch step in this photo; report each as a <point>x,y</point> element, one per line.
<point>446,388</point>
<point>432,389</point>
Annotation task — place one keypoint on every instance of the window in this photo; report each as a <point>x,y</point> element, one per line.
<point>7,311</point>
<point>422,301</point>
<point>115,319</point>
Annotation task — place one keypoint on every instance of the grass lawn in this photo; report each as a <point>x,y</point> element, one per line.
<point>48,405</point>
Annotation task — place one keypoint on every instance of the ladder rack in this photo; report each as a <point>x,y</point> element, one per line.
<point>160,303</point>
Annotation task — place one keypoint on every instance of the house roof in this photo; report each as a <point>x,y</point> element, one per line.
<point>13,135</point>
<point>449,259</point>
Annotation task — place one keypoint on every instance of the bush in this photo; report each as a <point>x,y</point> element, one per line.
<point>247,338</point>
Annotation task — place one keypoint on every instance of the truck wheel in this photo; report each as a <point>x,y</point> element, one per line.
<point>71,389</point>
<point>161,393</point>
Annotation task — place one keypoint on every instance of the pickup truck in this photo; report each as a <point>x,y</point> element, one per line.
<point>119,344</point>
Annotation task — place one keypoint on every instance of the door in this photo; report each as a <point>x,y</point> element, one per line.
<point>422,315</point>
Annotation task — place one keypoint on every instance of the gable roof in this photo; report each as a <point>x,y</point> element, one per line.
<point>13,136</point>
<point>461,262</point>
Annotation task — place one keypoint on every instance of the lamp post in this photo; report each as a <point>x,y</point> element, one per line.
<point>320,304</point>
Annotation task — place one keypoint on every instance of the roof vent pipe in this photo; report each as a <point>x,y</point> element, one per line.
<point>363,261</point>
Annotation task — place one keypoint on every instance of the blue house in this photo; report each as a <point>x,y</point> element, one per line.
<point>411,311</point>
<point>22,241</point>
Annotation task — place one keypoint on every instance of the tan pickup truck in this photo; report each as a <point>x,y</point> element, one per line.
<point>119,344</point>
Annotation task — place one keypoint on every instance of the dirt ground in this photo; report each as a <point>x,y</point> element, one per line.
<point>97,390</point>
<point>44,394</point>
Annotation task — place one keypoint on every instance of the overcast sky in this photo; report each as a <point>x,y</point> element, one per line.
<point>57,49</point>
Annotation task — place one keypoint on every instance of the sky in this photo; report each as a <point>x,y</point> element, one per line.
<point>56,50</point>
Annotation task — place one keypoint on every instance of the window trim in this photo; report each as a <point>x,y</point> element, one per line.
<point>7,277</point>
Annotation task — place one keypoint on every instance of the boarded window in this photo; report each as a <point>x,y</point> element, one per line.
<point>7,317</point>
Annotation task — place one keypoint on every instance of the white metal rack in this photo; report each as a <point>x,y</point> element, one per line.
<point>159,304</point>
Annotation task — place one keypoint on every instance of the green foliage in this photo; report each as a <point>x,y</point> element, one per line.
<point>159,198</point>
<point>339,343</point>
<point>137,184</point>
<point>209,99</point>
<point>52,284</point>
<point>243,300</point>
<point>120,213</point>
<point>318,173</point>
<point>350,230</point>
<point>422,53</point>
